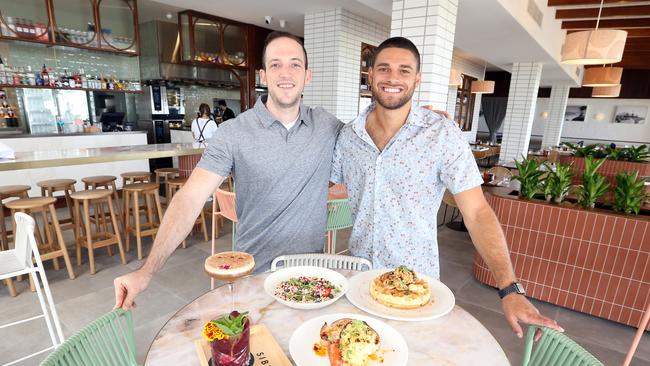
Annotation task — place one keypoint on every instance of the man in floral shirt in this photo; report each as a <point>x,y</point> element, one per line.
<point>396,160</point>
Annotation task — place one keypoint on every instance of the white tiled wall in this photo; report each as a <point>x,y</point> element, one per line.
<point>555,121</point>
<point>333,41</point>
<point>430,25</point>
<point>522,98</point>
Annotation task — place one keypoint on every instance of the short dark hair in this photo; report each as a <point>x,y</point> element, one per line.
<point>277,34</point>
<point>398,42</point>
<point>222,102</point>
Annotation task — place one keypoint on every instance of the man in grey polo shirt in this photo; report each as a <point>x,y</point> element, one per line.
<point>280,155</point>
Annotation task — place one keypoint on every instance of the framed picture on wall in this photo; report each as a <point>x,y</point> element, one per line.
<point>575,113</point>
<point>630,114</point>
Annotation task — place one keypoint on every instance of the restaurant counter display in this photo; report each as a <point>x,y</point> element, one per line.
<point>593,261</point>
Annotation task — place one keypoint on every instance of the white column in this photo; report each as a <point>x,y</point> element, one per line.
<point>557,108</point>
<point>430,25</point>
<point>520,112</point>
<point>333,41</point>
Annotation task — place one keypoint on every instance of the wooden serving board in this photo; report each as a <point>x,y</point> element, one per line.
<point>264,347</point>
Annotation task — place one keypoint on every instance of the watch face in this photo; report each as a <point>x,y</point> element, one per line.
<point>520,288</point>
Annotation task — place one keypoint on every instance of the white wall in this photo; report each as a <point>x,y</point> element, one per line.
<point>599,131</point>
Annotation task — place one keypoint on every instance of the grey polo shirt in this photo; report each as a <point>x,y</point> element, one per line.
<point>281,179</point>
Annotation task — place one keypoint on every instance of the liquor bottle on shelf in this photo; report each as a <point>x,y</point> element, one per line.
<point>103,83</point>
<point>31,29</point>
<point>110,84</point>
<point>45,76</point>
<point>83,79</point>
<point>51,77</point>
<point>58,79</point>
<point>29,76</point>
<point>65,79</point>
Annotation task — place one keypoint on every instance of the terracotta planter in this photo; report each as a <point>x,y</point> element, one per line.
<point>593,261</point>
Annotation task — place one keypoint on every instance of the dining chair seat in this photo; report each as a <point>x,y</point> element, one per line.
<point>331,261</point>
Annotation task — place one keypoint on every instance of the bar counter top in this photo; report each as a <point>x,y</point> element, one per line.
<point>64,157</point>
<point>18,135</point>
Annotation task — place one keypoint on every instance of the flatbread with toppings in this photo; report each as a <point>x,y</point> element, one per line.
<point>400,289</point>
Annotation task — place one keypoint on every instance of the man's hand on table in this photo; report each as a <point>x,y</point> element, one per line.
<point>127,287</point>
<point>517,308</point>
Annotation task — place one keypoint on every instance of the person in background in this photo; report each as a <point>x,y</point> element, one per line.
<point>226,113</point>
<point>203,126</point>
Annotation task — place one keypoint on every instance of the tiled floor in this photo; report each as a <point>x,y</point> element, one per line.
<point>182,280</point>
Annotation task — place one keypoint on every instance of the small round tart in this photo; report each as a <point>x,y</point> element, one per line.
<point>229,265</point>
<point>401,299</point>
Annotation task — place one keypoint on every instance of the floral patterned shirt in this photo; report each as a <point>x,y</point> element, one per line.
<point>395,193</point>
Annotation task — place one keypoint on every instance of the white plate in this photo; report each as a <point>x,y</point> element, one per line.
<point>442,299</point>
<point>303,338</point>
<point>272,282</point>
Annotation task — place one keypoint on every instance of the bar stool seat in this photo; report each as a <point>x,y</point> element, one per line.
<point>99,237</point>
<point>175,184</point>
<point>135,177</point>
<point>51,186</point>
<point>107,182</point>
<point>132,193</point>
<point>53,246</point>
<point>12,191</point>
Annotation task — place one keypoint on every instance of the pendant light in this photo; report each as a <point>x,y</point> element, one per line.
<point>482,87</point>
<point>606,91</point>
<point>602,76</point>
<point>593,47</point>
<point>455,78</point>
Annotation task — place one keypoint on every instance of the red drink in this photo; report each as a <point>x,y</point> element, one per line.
<point>235,349</point>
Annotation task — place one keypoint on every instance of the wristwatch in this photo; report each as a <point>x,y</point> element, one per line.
<point>514,287</point>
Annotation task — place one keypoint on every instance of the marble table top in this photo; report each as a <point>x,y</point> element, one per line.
<point>455,339</point>
<point>63,157</point>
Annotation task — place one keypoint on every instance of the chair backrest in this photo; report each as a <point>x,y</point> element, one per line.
<point>332,261</point>
<point>448,199</point>
<point>25,243</point>
<point>500,172</point>
<point>339,214</point>
<point>554,348</point>
<point>106,341</point>
<point>226,201</point>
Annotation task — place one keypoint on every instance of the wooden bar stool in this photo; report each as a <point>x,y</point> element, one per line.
<point>51,186</point>
<point>173,185</point>
<point>163,175</point>
<point>53,246</point>
<point>14,191</point>
<point>101,236</point>
<point>135,177</point>
<point>132,193</point>
<point>107,182</point>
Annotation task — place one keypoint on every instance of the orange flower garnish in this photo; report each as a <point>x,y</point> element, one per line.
<point>212,332</point>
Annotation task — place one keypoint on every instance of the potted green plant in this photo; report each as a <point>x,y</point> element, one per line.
<point>558,183</point>
<point>638,154</point>
<point>529,176</point>
<point>593,184</point>
<point>629,194</point>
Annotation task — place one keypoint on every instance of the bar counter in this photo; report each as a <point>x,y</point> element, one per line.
<point>77,156</point>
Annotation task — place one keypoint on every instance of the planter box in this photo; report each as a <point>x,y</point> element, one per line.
<point>609,170</point>
<point>592,261</point>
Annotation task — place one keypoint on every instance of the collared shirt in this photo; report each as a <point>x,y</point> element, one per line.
<point>395,193</point>
<point>281,179</point>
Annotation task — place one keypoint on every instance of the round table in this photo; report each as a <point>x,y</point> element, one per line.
<point>455,339</point>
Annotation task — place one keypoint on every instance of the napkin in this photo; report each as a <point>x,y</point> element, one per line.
<point>6,152</point>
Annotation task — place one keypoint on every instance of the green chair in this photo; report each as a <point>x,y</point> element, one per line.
<point>554,348</point>
<point>107,341</point>
<point>339,216</point>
